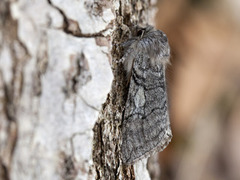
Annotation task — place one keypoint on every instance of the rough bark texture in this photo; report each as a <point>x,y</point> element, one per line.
<point>55,74</point>
<point>107,130</point>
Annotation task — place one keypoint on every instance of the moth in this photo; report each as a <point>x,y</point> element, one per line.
<point>146,126</point>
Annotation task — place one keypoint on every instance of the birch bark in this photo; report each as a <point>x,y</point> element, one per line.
<point>57,68</point>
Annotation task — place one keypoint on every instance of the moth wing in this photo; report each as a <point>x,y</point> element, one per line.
<point>146,125</point>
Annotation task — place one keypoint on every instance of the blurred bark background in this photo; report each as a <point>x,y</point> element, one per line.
<point>204,89</point>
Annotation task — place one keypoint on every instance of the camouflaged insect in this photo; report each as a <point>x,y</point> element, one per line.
<point>146,126</point>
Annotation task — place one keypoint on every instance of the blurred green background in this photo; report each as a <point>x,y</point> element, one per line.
<point>204,89</point>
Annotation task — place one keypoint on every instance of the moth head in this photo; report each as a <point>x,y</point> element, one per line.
<point>155,44</point>
<point>141,31</point>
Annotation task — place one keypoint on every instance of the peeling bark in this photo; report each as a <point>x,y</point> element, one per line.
<point>55,76</point>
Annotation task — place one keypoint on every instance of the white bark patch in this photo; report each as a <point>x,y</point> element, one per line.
<point>5,61</point>
<point>53,123</point>
<point>86,11</point>
<point>140,170</point>
<point>34,17</point>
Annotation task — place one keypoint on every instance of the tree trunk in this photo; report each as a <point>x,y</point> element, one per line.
<point>55,74</point>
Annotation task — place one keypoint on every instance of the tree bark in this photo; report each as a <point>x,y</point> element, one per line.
<point>55,74</point>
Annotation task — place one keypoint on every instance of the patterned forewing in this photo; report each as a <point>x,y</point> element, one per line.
<point>146,126</point>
